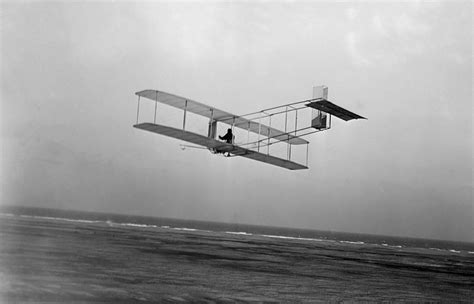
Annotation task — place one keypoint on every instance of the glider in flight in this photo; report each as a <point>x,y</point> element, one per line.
<point>290,116</point>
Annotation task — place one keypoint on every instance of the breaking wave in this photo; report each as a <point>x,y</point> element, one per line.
<point>354,243</point>
<point>292,238</point>
<point>137,225</point>
<point>55,218</point>
<point>186,229</point>
<point>240,233</point>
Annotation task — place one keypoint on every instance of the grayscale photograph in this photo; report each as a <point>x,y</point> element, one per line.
<point>236,151</point>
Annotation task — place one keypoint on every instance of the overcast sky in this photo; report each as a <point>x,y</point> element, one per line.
<point>69,72</point>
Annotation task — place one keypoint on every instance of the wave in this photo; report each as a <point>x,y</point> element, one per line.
<point>58,219</point>
<point>239,233</point>
<point>186,229</point>
<point>391,246</point>
<point>329,241</point>
<point>137,225</point>
<point>108,222</point>
<point>291,237</point>
<point>448,250</point>
<point>354,243</point>
<point>242,233</point>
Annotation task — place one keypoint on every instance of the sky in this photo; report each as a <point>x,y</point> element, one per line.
<point>70,70</point>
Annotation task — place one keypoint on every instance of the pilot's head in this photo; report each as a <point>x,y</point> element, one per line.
<point>229,130</point>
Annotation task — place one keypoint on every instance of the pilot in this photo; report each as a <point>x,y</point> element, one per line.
<point>228,137</point>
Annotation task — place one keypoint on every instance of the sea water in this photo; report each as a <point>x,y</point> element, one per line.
<point>56,255</point>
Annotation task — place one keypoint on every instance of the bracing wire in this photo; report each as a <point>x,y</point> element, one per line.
<point>263,144</point>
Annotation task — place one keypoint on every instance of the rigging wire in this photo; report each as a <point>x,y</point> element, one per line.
<point>288,134</point>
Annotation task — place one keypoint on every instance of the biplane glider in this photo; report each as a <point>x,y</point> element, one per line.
<point>263,135</point>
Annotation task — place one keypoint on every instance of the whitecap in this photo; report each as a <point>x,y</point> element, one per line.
<point>58,219</point>
<point>185,229</point>
<point>291,238</point>
<point>138,225</point>
<point>237,232</point>
<point>355,243</point>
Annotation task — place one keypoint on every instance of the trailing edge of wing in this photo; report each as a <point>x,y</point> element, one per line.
<point>219,115</point>
<point>222,146</point>
<point>333,109</point>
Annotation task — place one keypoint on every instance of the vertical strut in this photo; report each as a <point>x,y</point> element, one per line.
<point>296,129</point>
<point>138,108</point>
<point>248,133</point>
<point>211,127</point>
<point>184,117</point>
<point>269,134</point>
<point>259,129</point>
<point>233,123</point>
<point>288,149</point>
<point>156,104</point>
<point>296,120</point>
<point>286,126</point>
<point>307,150</point>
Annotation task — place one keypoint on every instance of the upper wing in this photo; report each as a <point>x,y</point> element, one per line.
<point>333,109</point>
<point>219,115</point>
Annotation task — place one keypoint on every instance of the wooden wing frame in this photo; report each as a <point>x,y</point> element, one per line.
<point>216,115</point>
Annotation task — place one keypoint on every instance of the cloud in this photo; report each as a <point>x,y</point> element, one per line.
<point>352,46</point>
<point>351,13</point>
<point>386,37</point>
<point>379,25</point>
<point>409,25</point>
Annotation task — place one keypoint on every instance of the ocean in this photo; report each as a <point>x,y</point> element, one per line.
<point>51,255</point>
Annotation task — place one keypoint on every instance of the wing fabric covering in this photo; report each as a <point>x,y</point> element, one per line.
<point>221,146</point>
<point>219,115</point>
<point>333,109</point>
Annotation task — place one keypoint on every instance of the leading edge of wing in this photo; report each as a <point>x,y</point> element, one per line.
<point>183,102</point>
<point>219,115</point>
<point>221,146</point>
